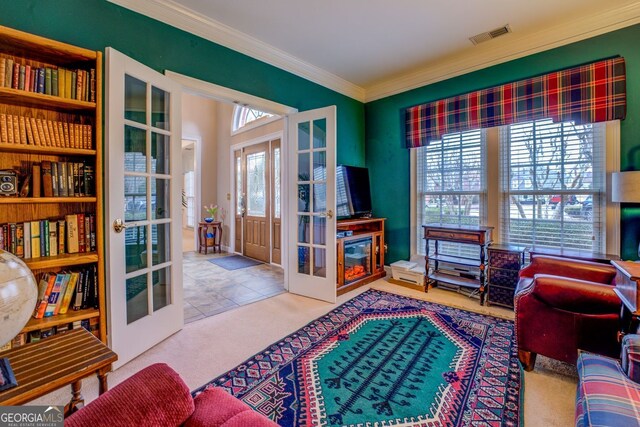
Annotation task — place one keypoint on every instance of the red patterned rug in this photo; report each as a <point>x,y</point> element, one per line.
<point>382,359</point>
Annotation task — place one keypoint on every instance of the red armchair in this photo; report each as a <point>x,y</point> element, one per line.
<point>157,396</point>
<point>563,305</point>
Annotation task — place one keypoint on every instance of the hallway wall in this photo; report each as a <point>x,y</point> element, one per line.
<point>199,120</point>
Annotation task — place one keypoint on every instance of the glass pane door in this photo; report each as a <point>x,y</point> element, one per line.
<point>311,267</point>
<point>147,207</point>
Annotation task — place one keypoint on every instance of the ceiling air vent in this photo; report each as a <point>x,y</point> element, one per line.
<point>483,37</point>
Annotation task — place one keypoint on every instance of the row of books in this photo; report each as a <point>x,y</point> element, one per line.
<point>34,239</point>
<point>44,133</point>
<point>76,84</point>
<point>59,292</point>
<point>65,179</point>
<point>92,325</point>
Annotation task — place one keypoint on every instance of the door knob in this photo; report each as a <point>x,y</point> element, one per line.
<point>328,214</point>
<point>119,225</point>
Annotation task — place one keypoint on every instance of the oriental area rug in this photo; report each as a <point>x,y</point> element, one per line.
<point>382,359</point>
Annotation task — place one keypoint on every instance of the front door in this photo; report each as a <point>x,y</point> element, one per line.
<point>257,218</point>
<point>143,207</point>
<point>312,202</point>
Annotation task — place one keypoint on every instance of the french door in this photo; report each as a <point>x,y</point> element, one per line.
<point>143,207</point>
<point>311,267</point>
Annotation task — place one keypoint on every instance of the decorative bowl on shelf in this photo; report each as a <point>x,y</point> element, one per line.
<point>208,220</point>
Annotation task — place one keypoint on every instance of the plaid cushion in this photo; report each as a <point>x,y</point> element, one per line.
<point>606,397</point>
<point>586,94</point>
<point>631,356</point>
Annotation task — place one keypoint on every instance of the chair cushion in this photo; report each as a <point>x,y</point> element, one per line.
<point>215,407</point>
<point>155,396</point>
<point>577,296</point>
<point>606,397</point>
<point>567,267</point>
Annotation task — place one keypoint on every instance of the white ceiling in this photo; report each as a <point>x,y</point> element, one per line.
<point>371,48</point>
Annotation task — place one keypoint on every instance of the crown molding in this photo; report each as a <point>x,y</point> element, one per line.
<point>178,16</point>
<point>507,48</point>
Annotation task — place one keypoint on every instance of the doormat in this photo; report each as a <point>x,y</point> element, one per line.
<point>382,359</point>
<point>234,262</point>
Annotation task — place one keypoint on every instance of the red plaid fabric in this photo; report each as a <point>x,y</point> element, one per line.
<point>586,94</point>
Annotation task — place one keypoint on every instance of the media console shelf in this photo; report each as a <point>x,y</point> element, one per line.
<point>360,255</point>
<point>474,235</point>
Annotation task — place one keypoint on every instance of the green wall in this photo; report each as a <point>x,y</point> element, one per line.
<point>389,161</point>
<point>96,24</point>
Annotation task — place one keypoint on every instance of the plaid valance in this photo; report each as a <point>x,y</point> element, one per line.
<point>586,94</point>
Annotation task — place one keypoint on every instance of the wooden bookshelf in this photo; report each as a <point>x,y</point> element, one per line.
<point>32,149</point>
<point>60,319</point>
<point>35,200</point>
<point>64,260</point>
<point>22,98</point>
<point>70,122</point>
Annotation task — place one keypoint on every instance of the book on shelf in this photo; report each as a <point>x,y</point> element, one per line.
<point>47,181</point>
<point>44,238</point>
<point>35,239</point>
<point>16,129</point>
<point>55,294</point>
<point>54,179</point>
<point>62,179</point>
<point>61,236</point>
<point>44,291</point>
<point>27,239</point>
<point>81,233</point>
<point>71,187</point>
<point>36,180</point>
<point>4,133</point>
<point>19,240</point>
<point>68,293</point>
<point>53,237</point>
<point>73,244</point>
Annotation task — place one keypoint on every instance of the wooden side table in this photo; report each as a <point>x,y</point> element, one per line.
<point>628,290</point>
<point>474,235</point>
<point>54,362</point>
<point>203,230</point>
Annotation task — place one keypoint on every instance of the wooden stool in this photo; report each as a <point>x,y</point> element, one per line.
<point>203,230</point>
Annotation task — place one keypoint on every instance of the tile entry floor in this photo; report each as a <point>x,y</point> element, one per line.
<point>210,289</point>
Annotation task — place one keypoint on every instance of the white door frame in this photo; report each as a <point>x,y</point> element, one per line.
<point>220,93</point>
<point>197,140</point>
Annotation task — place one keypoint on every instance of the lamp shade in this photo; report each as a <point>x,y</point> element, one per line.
<point>625,187</point>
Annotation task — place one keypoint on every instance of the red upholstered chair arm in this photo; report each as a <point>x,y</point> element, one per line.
<point>573,268</point>
<point>155,396</point>
<point>578,296</point>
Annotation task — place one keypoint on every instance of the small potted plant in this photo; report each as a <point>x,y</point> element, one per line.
<point>212,210</point>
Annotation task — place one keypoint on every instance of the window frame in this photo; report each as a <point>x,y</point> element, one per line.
<point>540,133</point>
<point>482,193</point>
<point>494,195</point>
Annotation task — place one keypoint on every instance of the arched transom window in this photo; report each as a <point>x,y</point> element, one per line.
<point>243,115</point>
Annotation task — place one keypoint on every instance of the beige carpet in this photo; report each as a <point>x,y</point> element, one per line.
<point>214,345</point>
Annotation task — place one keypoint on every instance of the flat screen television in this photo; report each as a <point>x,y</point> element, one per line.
<point>353,194</point>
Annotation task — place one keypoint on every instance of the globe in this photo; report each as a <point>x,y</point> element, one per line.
<point>18,295</point>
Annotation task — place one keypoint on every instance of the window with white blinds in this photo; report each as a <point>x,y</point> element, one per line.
<point>553,185</point>
<point>451,185</point>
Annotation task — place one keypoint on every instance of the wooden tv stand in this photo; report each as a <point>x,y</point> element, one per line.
<point>364,230</point>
